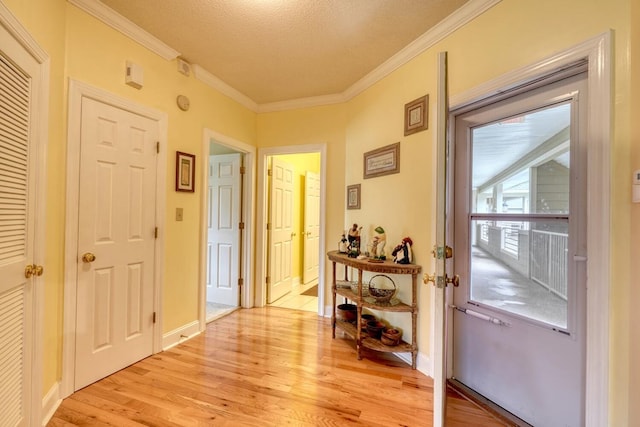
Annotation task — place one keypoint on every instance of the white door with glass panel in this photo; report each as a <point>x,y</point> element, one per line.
<point>223,235</point>
<point>280,230</point>
<point>520,246</point>
<point>311,227</point>
<point>116,240</point>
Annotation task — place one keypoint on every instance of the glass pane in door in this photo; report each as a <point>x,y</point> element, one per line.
<point>520,214</point>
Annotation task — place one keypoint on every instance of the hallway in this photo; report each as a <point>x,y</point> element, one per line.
<point>264,367</point>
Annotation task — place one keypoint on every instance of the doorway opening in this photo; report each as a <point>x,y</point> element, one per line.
<point>226,226</point>
<point>293,232</point>
<point>291,219</point>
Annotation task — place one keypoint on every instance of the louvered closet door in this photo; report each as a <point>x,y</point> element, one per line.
<point>16,231</point>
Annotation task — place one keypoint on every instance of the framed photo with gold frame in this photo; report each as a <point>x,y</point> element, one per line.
<point>185,172</point>
<point>353,196</point>
<point>416,115</point>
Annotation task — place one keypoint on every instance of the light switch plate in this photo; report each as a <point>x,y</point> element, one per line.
<point>179,214</point>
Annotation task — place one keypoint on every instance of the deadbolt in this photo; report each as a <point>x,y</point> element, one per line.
<point>88,257</point>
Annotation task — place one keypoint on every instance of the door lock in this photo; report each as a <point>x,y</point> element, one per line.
<point>440,252</point>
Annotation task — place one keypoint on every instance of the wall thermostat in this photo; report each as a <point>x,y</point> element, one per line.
<point>183,102</point>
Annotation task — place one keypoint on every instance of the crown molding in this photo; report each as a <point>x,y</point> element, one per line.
<point>453,22</point>
<point>26,40</point>
<point>217,84</point>
<point>449,25</point>
<point>126,27</point>
<point>314,101</point>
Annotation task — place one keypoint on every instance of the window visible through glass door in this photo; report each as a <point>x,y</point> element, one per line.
<point>520,215</point>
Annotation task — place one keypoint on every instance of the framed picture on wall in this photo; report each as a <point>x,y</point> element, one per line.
<point>185,172</point>
<point>416,115</point>
<point>353,196</point>
<point>382,161</point>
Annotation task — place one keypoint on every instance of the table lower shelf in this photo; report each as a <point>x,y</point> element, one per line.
<point>373,343</point>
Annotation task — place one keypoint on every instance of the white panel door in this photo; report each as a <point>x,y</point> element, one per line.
<point>281,230</point>
<point>311,227</point>
<point>17,225</point>
<point>116,226</point>
<point>520,192</point>
<point>223,234</point>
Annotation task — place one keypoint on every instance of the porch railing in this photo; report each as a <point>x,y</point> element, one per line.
<point>549,261</point>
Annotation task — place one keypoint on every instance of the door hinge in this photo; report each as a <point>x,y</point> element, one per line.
<point>240,281</point>
<point>268,226</point>
<point>241,226</point>
<point>269,172</point>
<point>243,170</point>
<point>268,280</point>
<point>154,317</point>
<point>155,233</point>
<point>158,147</point>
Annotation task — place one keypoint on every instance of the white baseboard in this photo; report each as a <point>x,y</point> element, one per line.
<point>50,403</point>
<point>423,363</point>
<point>181,334</point>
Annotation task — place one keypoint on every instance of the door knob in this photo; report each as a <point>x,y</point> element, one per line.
<point>293,235</point>
<point>437,280</point>
<point>88,257</point>
<point>429,278</point>
<point>33,270</point>
<point>455,280</point>
<point>29,271</point>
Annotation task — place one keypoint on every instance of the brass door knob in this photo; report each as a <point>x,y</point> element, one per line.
<point>29,271</point>
<point>455,280</point>
<point>88,257</point>
<point>33,270</point>
<point>429,278</point>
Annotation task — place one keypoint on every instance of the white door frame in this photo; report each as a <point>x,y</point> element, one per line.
<point>39,129</point>
<point>262,212</point>
<point>77,91</point>
<point>248,192</point>
<point>598,53</point>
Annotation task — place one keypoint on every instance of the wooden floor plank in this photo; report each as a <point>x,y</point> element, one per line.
<point>264,367</point>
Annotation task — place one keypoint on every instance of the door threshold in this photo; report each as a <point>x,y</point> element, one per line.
<point>487,405</point>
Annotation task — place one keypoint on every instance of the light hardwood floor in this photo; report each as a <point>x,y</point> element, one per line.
<point>264,367</point>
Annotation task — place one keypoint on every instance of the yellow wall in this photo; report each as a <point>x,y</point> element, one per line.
<point>301,163</point>
<point>84,49</point>
<point>97,55</point>
<point>633,326</point>
<point>510,35</point>
<point>311,126</point>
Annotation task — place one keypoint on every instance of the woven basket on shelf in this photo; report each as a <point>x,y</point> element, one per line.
<point>382,288</point>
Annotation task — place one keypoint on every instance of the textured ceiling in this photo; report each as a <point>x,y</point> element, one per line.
<point>281,50</point>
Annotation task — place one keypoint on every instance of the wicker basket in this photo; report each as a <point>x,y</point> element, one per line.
<point>390,337</point>
<point>382,288</point>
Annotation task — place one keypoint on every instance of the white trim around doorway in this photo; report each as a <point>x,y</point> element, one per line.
<point>597,51</point>
<point>248,196</point>
<point>262,211</point>
<point>77,91</point>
